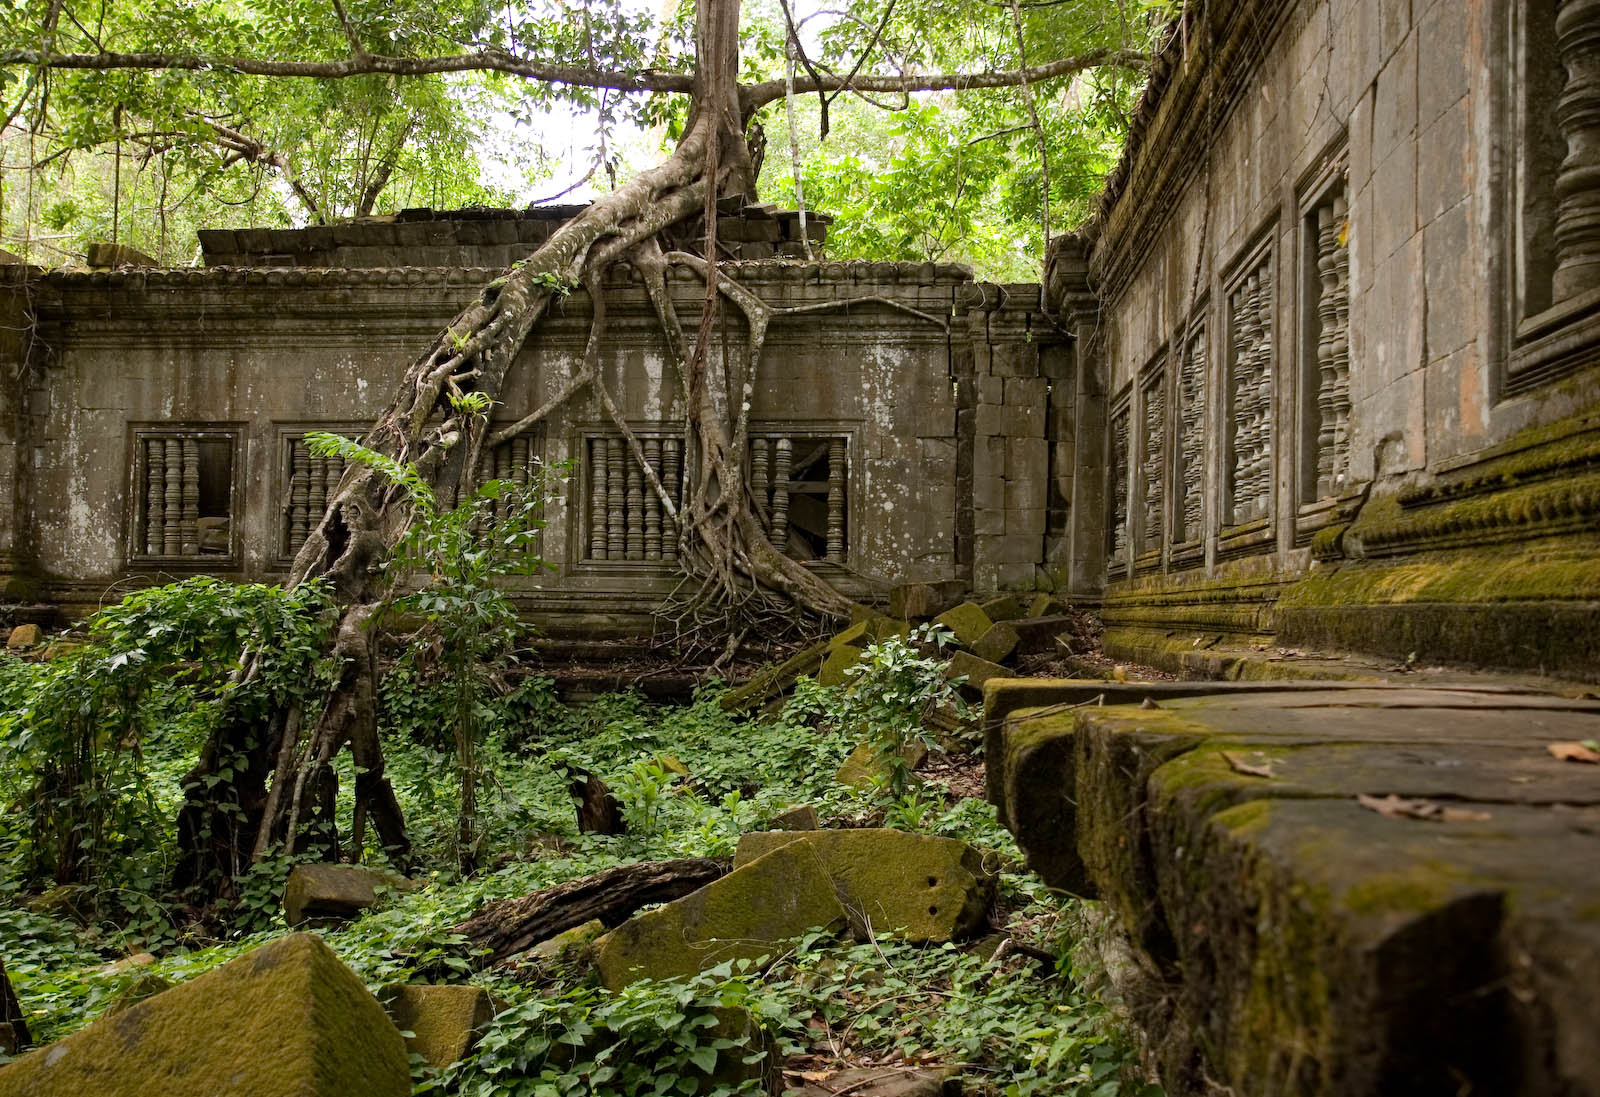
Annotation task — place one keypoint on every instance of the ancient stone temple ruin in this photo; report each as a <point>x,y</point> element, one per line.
<point>155,425</point>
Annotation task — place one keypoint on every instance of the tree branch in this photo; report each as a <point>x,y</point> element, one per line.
<point>364,65</point>
<point>759,95</point>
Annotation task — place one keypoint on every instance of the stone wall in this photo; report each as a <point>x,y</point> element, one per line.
<point>1343,386</point>
<point>896,440</point>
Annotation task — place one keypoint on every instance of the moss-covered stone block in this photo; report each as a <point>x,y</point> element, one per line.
<point>1007,607</point>
<point>976,671</point>
<point>839,660</point>
<point>803,817</point>
<point>919,601</point>
<point>858,636</point>
<point>774,680</point>
<point>867,764</point>
<point>967,621</point>
<point>285,1020</point>
<point>23,637</point>
<point>751,912</point>
<point>919,886</point>
<point>144,985</point>
<point>324,894</point>
<point>568,942</point>
<point>444,1021</point>
<point>997,644</point>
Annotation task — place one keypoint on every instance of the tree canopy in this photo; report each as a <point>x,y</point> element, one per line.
<point>142,120</point>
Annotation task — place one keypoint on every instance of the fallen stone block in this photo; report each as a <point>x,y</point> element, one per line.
<point>919,886</point>
<point>1045,605</point>
<point>996,644</point>
<point>444,1021</point>
<point>1007,607</point>
<point>23,637</point>
<point>884,1081</point>
<point>976,671</point>
<point>866,764</point>
<point>967,621</point>
<point>774,680</point>
<point>285,1020</point>
<point>750,912</point>
<point>839,660</point>
<point>325,894</point>
<point>1037,635</point>
<point>569,941</point>
<point>922,600</point>
<point>803,817</point>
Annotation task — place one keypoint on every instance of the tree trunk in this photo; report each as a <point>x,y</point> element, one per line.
<point>510,926</point>
<point>256,805</point>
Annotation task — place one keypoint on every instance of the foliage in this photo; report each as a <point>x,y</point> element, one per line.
<point>75,729</point>
<point>468,623</point>
<point>892,690</point>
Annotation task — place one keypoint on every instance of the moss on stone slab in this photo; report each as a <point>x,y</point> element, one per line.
<point>919,886</point>
<point>285,1020</point>
<point>967,621</point>
<point>444,1021</point>
<point>751,912</point>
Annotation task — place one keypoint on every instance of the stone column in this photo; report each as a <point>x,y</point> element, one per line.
<point>1578,180</point>
<point>1069,297</point>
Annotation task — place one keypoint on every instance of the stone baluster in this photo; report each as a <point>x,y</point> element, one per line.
<point>598,542</point>
<point>836,459</point>
<point>760,478</point>
<point>172,511</point>
<point>155,475</point>
<point>316,491</point>
<point>635,503</point>
<point>784,452</point>
<point>520,460</point>
<point>1192,394</point>
<point>189,516</point>
<point>332,473</point>
<point>1340,350</point>
<point>616,534</point>
<point>299,493</point>
<point>652,502</point>
<point>1155,422</point>
<point>672,478</point>
<point>1578,179</point>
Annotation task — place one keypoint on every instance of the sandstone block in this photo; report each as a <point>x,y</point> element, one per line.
<point>803,817</point>
<point>996,644</point>
<point>920,886</point>
<point>968,621</point>
<point>563,944</point>
<point>23,637</point>
<point>914,600</point>
<point>866,764</point>
<point>444,1021</point>
<point>1007,607</point>
<point>1036,635</point>
<point>774,680</point>
<point>285,1020</point>
<point>839,660</point>
<point>332,893</point>
<point>976,671</point>
<point>746,914</point>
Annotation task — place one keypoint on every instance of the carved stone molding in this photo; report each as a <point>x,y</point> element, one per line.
<point>1578,180</point>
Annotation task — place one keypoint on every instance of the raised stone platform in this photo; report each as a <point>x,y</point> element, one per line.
<point>1328,889</point>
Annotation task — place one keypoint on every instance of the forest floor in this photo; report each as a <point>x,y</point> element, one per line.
<point>1014,1021</point>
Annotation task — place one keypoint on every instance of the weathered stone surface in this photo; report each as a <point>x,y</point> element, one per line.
<point>444,1021</point>
<point>285,1020</point>
<point>803,817</point>
<point>996,644</point>
<point>920,886</point>
<point>1006,607</point>
<point>774,680</point>
<point>23,637</point>
<point>839,660</point>
<point>331,893</point>
<point>922,600</point>
<point>975,670</point>
<point>747,914</point>
<point>568,941</point>
<point>147,985</point>
<point>1206,818</point>
<point>1037,635</point>
<point>967,621</point>
<point>866,764</point>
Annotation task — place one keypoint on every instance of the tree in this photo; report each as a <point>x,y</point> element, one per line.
<point>733,567</point>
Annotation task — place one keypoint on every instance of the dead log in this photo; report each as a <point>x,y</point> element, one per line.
<point>510,926</point>
<point>599,810</point>
<point>11,1013</point>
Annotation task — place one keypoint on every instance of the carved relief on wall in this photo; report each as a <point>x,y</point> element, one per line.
<point>1191,412</point>
<point>1152,467</point>
<point>183,494</point>
<point>1248,424</point>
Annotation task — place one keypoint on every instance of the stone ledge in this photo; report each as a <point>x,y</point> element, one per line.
<point>1311,945</point>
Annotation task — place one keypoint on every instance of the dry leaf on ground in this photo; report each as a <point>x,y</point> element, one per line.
<point>1574,752</point>
<point>1240,766</point>
<point>1396,807</point>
